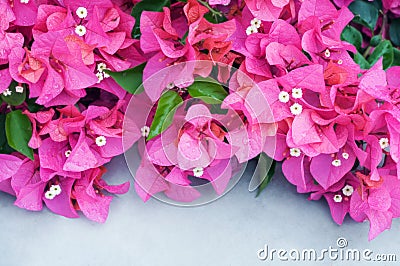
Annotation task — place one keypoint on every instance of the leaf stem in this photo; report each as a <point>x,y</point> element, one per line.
<point>384,22</point>
<point>213,11</point>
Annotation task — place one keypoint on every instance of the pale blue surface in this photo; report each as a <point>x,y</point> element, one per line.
<point>226,232</point>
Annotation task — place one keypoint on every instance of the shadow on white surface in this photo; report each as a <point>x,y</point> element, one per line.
<point>228,231</point>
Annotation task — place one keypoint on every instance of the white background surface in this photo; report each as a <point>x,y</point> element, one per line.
<point>228,231</point>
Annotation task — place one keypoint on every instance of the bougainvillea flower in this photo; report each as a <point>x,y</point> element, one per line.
<point>89,194</point>
<point>269,10</point>
<point>338,196</point>
<point>379,203</point>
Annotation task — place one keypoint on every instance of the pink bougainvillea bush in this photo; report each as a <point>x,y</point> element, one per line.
<point>202,87</point>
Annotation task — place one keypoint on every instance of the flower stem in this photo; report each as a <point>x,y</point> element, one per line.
<point>213,11</point>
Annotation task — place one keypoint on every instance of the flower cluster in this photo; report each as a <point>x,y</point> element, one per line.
<point>62,113</point>
<point>313,84</point>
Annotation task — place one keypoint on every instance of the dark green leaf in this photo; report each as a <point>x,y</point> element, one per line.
<point>365,13</point>
<point>148,5</point>
<point>216,109</point>
<point>396,57</point>
<point>165,112</point>
<point>215,18</point>
<point>207,89</point>
<point>19,132</point>
<point>33,107</point>
<point>394,32</point>
<point>16,98</point>
<point>384,49</point>
<point>376,40</point>
<point>4,147</point>
<point>130,79</point>
<point>267,176</point>
<point>353,36</point>
<point>361,61</point>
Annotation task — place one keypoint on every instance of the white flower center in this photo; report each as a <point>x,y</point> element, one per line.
<point>337,162</point>
<point>295,152</point>
<point>255,22</point>
<point>67,153</point>
<point>99,76</point>
<point>49,195</point>
<point>198,171</point>
<point>327,53</point>
<point>81,12</point>
<point>251,30</point>
<point>337,198</point>
<point>297,93</point>
<point>340,61</point>
<point>283,97</point>
<point>345,155</point>
<point>384,142</point>
<point>145,131</point>
<point>296,109</point>
<point>19,89</point>
<point>101,67</point>
<point>348,190</point>
<point>101,141</point>
<point>80,30</point>
<point>24,1</point>
<point>170,85</point>
<point>56,189</point>
<point>7,92</point>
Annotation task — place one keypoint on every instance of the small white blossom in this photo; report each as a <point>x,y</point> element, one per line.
<point>145,131</point>
<point>255,22</point>
<point>56,189</point>
<point>283,97</point>
<point>337,198</point>
<point>99,76</point>
<point>296,109</point>
<point>80,30</point>
<point>345,155</point>
<point>19,89</point>
<point>327,53</point>
<point>101,67</point>
<point>106,75</point>
<point>340,61</point>
<point>101,141</point>
<point>297,93</point>
<point>198,171</point>
<point>50,195</point>
<point>384,142</point>
<point>251,30</point>
<point>337,162</point>
<point>67,153</point>
<point>295,152</point>
<point>348,190</point>
<point>170,85</point>
<point>81,12</point>
<point>24,1</point>
<point>7,92</point>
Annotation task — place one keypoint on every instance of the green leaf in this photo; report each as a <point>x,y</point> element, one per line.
<point>215,18</point>
<point>148,5</point>
<point>394,32</point>
<point>365,13</point>
<point>384,49</point>
<point>216,109</point>
<point>130,79</point>
<point>16,98</point>
<point>19,132</point>
<point>361,61</point>
<point>353,36</point>
<point>33,107</point>
<point>4,147</point>
<point>207,89</point>
<point>267,176</point>
<point>396,57</point>
<point>376,40</point>
<point>165,112</point>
